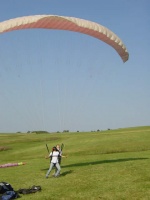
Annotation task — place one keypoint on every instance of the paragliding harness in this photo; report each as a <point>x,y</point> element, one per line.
<point>59,156</point>
<point>30,190</point>
<point>7,192</point>
<point>60,152</point>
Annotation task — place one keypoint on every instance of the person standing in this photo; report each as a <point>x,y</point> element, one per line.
<point>54,155</point>
<point>60,153</point>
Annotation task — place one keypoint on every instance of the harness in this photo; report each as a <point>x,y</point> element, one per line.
<point>58,156</point>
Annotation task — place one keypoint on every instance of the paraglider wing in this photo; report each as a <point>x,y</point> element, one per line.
<point>11,164</point>
<point>67,23</point>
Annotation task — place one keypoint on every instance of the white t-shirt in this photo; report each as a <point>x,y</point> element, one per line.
<point>54,155</point>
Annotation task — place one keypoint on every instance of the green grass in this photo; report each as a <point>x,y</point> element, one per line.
<point>108,165</point>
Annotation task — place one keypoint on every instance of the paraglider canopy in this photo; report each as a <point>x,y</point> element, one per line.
<point>67,23</point>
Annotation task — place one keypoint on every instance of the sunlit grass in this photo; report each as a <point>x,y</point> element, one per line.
<point>109,165</point>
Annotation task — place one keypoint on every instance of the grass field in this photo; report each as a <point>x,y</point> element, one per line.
<point>108,165</point>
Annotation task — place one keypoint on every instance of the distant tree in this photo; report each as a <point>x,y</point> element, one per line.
<point>39,132</point>
<point>65,131</point>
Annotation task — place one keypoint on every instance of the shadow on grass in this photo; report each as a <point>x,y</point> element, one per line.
<point>62,173</point>
<point>103,162</point>
<point>66,173</point>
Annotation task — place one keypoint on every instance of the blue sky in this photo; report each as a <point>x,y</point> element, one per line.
<point>57,80</point>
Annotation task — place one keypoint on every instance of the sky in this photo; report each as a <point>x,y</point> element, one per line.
<point>59,80</point>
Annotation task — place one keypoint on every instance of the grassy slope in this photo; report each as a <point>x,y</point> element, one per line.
<point>109,165</point>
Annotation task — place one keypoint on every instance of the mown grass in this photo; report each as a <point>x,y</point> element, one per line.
<point>109,165</point>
